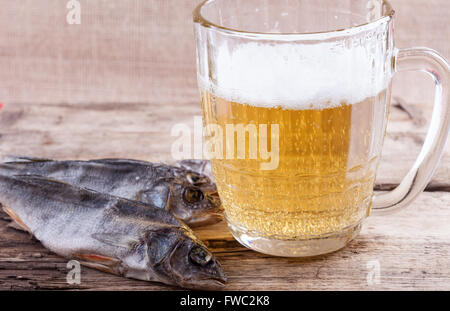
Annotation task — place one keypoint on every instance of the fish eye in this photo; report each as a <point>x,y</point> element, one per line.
<point>193,178</point>
<point>193,195</point>
<point>200,256</point>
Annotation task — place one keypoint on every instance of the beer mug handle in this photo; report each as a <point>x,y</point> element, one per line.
<point>429,61</point>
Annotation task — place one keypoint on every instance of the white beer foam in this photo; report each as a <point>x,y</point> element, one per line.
<point>294,76</point>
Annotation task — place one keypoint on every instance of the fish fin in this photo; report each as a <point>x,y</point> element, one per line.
<point>33,179</point>
<point>118,240</point>
<point>100,267</point>
<point>14,225</point>
<point>195,165</point>
<point>120,161</point>
<point>23,159</point>
<point>99,262</point>
<point>39,179</point>
<point>97,258</point>
<point>16,219</point>
<point>169,203</point>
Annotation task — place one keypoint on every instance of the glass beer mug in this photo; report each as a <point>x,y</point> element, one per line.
<point>295,99</point>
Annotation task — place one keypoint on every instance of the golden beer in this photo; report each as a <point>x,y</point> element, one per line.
<point>326,167</point>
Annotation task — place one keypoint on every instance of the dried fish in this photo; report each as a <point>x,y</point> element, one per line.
<point>190,196</point>
<point>109,233</point>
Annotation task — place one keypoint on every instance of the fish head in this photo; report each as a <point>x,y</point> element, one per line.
<point>194,198</point>
<point>190,196</point>
<point>196,204</point>
<point>181,259</point>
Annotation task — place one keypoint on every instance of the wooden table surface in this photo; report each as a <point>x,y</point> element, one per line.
<point>48,112</point>
<point>412,246</point>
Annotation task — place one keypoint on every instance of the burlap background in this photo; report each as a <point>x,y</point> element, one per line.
<point>143,50</point>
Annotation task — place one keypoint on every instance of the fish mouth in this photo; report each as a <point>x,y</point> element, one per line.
<point>208,281</point>
<point>206,219</point>
<point>214,199</point>
<point>214,283</point>
<point>218,215</point>
<point>219,211</point>
<point>218,284</point>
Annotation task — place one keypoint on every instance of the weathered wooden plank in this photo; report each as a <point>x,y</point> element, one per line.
<point>143,131</point>
<point>148,116</point>
<point>412,248</point>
